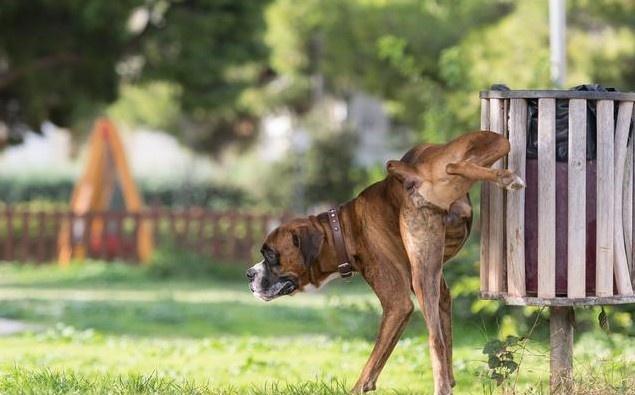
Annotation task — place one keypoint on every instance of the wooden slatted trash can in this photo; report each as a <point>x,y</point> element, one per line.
<point>566,239</point>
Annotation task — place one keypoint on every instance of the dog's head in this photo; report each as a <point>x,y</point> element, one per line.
<point>289,253</point>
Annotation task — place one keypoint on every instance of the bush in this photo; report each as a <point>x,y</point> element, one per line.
<point>170,262</point>
<point>16,191</point>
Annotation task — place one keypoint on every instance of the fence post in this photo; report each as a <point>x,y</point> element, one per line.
<point>8,250</point>
<point>200,244</point>
<point>40,238</point>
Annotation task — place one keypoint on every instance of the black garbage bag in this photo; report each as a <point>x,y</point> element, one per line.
<point>562,123</point>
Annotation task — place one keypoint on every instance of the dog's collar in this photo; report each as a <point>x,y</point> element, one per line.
<point>344,267</point>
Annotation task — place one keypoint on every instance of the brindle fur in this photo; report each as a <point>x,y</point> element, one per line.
<point>399,241</point>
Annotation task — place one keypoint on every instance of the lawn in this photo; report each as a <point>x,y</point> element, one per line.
<point>103,328</point>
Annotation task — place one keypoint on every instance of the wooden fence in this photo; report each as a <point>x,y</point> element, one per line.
<point>33,236</point>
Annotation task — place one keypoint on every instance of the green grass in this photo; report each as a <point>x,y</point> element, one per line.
<point>118,329</point>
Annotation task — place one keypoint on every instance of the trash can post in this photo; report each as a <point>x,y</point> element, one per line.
<point>561,343</point>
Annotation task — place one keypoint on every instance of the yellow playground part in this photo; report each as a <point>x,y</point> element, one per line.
<point>106,169</point>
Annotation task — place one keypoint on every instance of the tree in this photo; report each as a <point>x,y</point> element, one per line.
<point>390,49</point>
<point>61,60</point>
<point>428,59</point>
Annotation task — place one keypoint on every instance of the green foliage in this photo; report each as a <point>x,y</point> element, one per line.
<point>40,193</point>
<point>155,104</point>
<point>31,381</point>
<point>616,12</point>
<point>376,46</point>
<point>603,321</point>
<point>330,172</point>
<point>325,173</point>
<point>58,56</point>
<point>64,60</point>
<point>426,60</point>
<point>168,262</point>
<point>22,190</point>
<point>208,69</point>
<point>501,356</point>
<point>428,73</point>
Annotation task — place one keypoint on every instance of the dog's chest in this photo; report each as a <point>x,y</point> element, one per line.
<point>328,279</point>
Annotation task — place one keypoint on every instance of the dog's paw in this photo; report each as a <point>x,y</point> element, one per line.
<point>361,388</point>
<point>444,390</point>
<point>511,182</point>
<point>369,387</point>
<point>517,183</point>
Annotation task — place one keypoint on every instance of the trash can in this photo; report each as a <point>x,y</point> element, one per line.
<point>567,238</point>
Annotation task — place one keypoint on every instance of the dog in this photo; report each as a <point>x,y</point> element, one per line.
<point>396,234</point>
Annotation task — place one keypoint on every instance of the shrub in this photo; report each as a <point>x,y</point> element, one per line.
<point>170,262</point>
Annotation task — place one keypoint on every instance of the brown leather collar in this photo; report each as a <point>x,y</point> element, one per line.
<point>344,262</point>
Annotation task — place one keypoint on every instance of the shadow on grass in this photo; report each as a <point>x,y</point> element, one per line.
<point>123,276</point>
<point>179,319</point>
<point>113,274</point>
<point>133,300</point>
<point>169,318</point>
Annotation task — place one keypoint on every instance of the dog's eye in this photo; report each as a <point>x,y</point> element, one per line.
<point>271,257</point>
<point>268,257</point>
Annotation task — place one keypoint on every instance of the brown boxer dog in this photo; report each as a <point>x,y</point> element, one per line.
<point>437,181</point>
<point>397,234</point>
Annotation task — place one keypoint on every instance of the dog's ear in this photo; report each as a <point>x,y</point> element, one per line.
<point>308,239</point>
<point>405,173</point>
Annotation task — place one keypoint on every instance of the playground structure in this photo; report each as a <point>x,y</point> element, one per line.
<point>105,184</point>
<point>567,239</point>
<point>107,219</point>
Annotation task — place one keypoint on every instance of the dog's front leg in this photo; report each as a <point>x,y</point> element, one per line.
<point>423,233</point>
<point>393,293</point>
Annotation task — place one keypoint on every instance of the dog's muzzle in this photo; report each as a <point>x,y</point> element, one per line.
<point>266,286</point>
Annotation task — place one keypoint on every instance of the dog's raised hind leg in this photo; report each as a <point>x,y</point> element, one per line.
<point>502,177</point>
<point>423,233</point>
